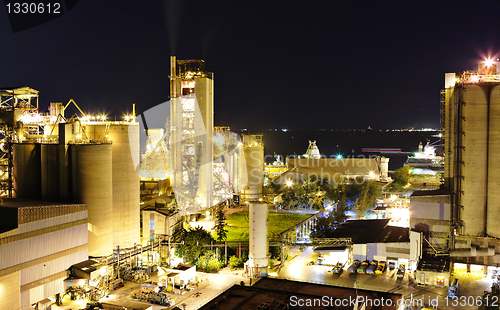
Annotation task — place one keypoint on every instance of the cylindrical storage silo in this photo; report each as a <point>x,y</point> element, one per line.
<point>124,138</point>
<point>126,184</point>
<point>474,157</point>
<point>27,172</point>
<point>254,160</point>
<point>384,167</point>
<point>258,247</point>
<point>91,171</point>
<point>493,209</point>
<point>55,175</point>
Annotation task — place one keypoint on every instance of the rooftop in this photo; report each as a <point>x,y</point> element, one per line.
<point>371,231</point>
<point>269,293</point>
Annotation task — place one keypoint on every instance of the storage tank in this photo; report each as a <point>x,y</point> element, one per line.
<point>258,247</point>
<point>384,167</point>
<point>126,183</point>
<point>27,172</point>
<point>91,172</point>
<point>55,174</point>
<point>253,150</point>
<point>493,211</point>
<point>474,156</point>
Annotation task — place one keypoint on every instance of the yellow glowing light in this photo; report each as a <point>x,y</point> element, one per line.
<point>474,78</point>
<point>78,136</point>
<point>289,183</point>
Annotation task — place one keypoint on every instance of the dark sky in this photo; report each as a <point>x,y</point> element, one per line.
<point>295,64</point>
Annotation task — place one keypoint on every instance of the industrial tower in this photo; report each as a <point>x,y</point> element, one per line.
<point>470,113</point>
<point>192,122</point>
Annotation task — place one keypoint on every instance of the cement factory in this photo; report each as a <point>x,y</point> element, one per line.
<point>79,200</point>
<point>71,184</point>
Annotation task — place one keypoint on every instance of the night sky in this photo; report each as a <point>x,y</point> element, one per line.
<point>294,64</point>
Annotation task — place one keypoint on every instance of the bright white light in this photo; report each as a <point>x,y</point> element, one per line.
<point>488,62</point>
<point>339,156</point>
<point>289,183</point>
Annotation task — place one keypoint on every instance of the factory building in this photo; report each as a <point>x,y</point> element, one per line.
<point>335,169</point>
<point>376,240</point>
<point>470,111</point>
<point>82,159</point>
<point>39,242</point>
<point>429,235</point>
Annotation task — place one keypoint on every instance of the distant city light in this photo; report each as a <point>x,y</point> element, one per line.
<point>339,156</point>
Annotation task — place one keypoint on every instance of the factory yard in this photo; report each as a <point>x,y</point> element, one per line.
<point>210,286</point>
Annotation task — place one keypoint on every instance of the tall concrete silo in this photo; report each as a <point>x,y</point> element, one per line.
<point>475,158</point>
<point>493,190</point>
<point>471,121</point>
<point>124,137</point>
<point>27,175</point>
<point>257,257</point>
<point>253,150</point>
<point>92,176</point>
<point>55,173</point>
<point>126,184</point>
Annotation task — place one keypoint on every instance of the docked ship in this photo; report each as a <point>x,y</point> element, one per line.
<point>425,161</point>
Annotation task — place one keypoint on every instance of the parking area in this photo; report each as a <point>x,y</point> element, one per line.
<point>471,287</point>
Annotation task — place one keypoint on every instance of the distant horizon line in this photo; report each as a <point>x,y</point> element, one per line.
<point>342,130</point>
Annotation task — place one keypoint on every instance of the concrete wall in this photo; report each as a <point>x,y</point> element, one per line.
<point>10,296</point>
<point>430,277</point>
<point>380,251</point>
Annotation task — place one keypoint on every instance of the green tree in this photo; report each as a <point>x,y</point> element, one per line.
<point>220,223</point>
<point>235,262</point>
<point>194,241</point>
<point>208,262</point>
<point>401,177</point>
